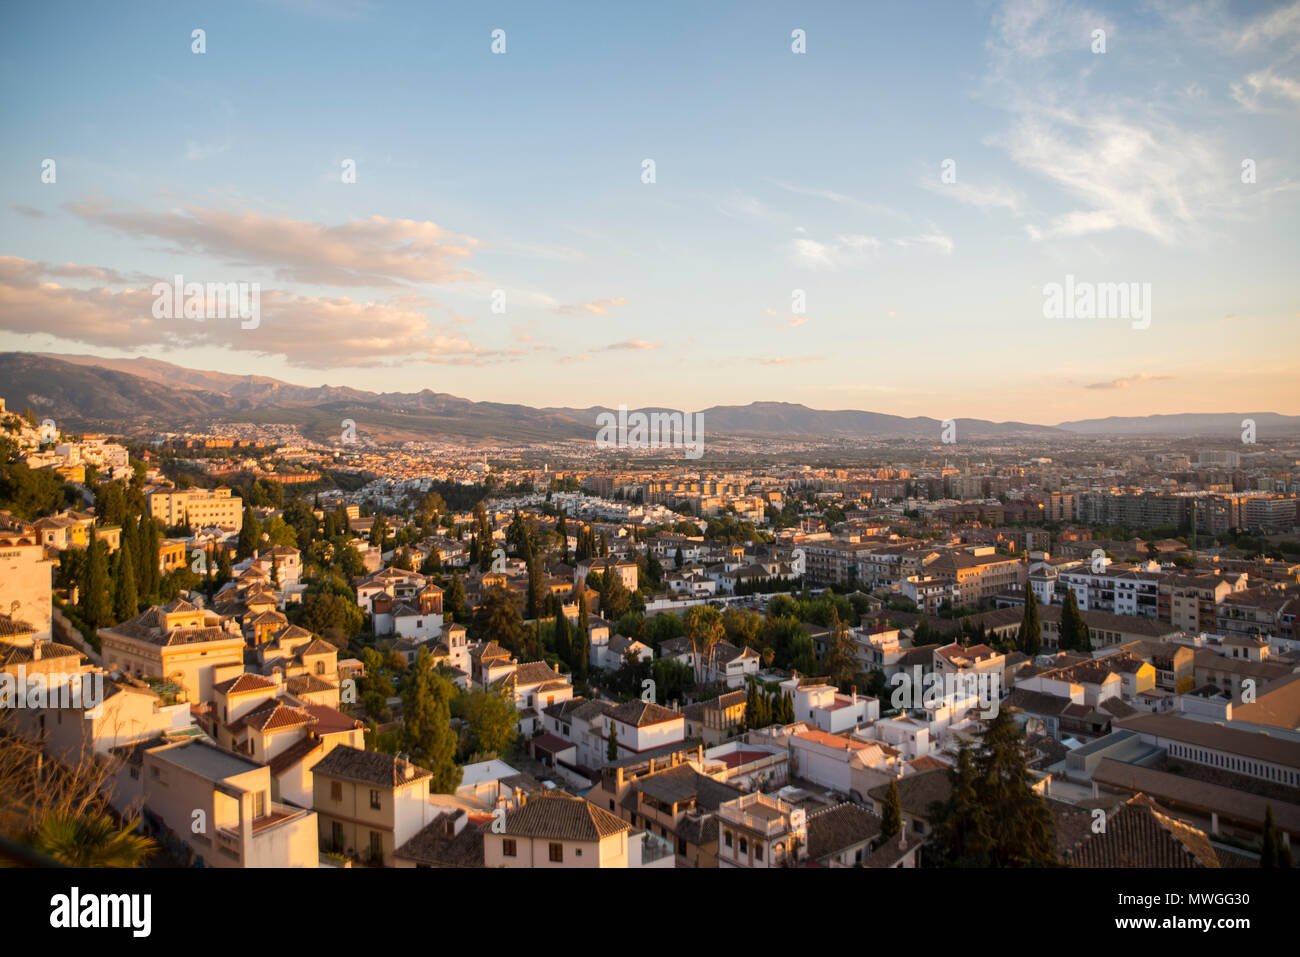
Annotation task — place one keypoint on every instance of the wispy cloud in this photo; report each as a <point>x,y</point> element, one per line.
<point>375,251</point>
<point>633,345</point>
<point>596,307</point>
<point>308,331</point>
<point>1128,381</point>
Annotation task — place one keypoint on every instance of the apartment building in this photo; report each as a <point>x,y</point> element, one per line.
<point>200,508</point>
<point>557,830</point>
<point>761,831</point>
<point>26,577</point>
<point>179,642</point>
<point>369,803</point>
<point>981,575</point>
<point>219,806</point>
<point>1246,753</point>
<point>1190,602</point>
<point>1114,588</point>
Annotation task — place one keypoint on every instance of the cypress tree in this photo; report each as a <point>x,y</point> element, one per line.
<point>1274,853</point>
<point>1031,641</point>
<point>1074,632</point>
<point>126,601</point>
<point>95,584</point>
<point>611,749</point>
<point>250,534</point>
<point>142,555</point>
<point>563,643</point>
<point>455,598</point>
<point>892,816</point>
<point>151,559</point>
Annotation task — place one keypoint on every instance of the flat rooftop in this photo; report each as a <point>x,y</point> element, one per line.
<point>207,760</point>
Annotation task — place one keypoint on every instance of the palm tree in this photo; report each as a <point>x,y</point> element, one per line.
<point>90,840</point>
<point>704,629</point>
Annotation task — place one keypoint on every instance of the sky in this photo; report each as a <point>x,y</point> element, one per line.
<point>873,223</point>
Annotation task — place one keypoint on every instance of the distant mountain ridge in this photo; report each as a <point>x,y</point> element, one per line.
<point>143,394</point>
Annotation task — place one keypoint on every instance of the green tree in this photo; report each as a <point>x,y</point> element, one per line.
<point>611,746</point>
<point>1274,853</point>
<point>492,719</point>
<point>454,600</point>
<point>891,821</point>
<point>614,596</point>
<point>250,535</point>
<point>1074,630</point>
<point>840,663</point>
<point>563,640</point>
<point>993,818</point>
<point>332,616</point>
<point>90,840</point>
<point>582,638</point>
<point>95,607</point>
<point>126,602</point>
<point>1030,639</point>
<point>426,724</point>
<point>497,619</point>
<point>704,629</point>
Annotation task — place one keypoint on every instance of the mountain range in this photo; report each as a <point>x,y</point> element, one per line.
<point>141,395</point>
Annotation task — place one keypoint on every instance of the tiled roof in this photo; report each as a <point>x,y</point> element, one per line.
<point>330,720</point>
<point>563,817</point>
<point>433,847</point>
<point>291,755</point>
<point>916,792</point>
<point>308,684</point>
<point>683,784</point>
<point>833,829</point>
<point>368,767</point>
<point>273,716</point>
<point>534,673</point>
<point>1139,834</point>
<point>242,684</point>
<point>641,714</point>
<point>318,647</point>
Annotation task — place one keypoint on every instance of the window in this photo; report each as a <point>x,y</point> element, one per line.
<point>336,791</point>
<point>557,852</point>
<point>726,838</point>
<point>744,846</point>
<point>374,800</point>
<point>259,804</point>
<point>508,847</point>
<point>376,845</point>
<point>758,852</point>
<point>337,835</point>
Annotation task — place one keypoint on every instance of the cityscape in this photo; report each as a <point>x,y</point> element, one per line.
<point>742,438</point>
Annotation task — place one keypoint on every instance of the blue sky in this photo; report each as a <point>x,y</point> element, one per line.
<point>775,172</point>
